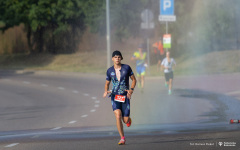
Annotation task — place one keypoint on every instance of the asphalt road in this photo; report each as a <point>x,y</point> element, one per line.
<point>49,110</point>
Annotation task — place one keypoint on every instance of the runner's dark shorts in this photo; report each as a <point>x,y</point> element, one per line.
<point>168,76</point>
<point>124,107</point>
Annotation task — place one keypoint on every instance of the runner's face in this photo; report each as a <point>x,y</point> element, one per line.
<point>116,59</point>
<point>168,54</point>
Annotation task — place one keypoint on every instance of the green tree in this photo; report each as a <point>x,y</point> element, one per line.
<point>56,25</point>
<point>124,16</point>
<point>212,24</point>
<point>50,24</point>
<point>58,22</point>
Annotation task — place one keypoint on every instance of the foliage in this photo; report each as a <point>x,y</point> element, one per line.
<point>124,16</point>
<point>213,26</point>
<point>57,25</point>
<point>50,24</point>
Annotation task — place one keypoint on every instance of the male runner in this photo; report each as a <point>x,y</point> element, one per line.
<point>121,94</point>
<point>159,52</point>
<point>140,57</point>
<point>167,64</point>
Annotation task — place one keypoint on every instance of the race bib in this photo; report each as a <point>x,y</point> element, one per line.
<point>120,98</point>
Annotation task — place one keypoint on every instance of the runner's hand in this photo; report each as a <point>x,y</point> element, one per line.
<point>129,96</point>
<point>106,93</point>
<point>129,93</point>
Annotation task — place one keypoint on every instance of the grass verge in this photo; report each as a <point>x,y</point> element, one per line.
<point>95,62</point>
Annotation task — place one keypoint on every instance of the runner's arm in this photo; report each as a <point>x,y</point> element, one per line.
<point>162,65</point>
<point>134,81</point>
<point>133,58</point>
<point>174,62</point>
<point>106,88</point>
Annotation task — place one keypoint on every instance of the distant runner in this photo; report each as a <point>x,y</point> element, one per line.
<point>121,94</point>
<point>140,58</point>
<point>159,52</point>
<point>167,65</point>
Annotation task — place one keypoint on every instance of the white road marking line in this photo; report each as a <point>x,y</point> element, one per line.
<point>44,85</point>
<point>71,122</point>
<point>93,110</point>
<point>75,91</point>
<point>83,116</point>
<point>94,98</point>
<point>97,101</point>
<point>7,80</point>
<point>11,145</point>
<point>61,88</point>
<point>85,94</point>
<point>233,93</point>
<point>35,136</point>
<point>96,105</point>
<point>43,133</point>
<point>57,128</point>
<point>26,82</point>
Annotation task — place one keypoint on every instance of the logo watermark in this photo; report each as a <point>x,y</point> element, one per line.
<point>203,144</point>
<point>216,144</point>
<point>220,143</point>
<point>232,144</point>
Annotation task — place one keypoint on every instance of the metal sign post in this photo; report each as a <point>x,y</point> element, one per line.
<point>167,12</point>
<point>108,34</point>
<point>147,24</point>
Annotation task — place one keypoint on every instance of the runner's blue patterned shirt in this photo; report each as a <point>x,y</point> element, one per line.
<point>119,87</point>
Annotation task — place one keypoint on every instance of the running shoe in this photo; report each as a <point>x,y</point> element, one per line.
<point>169,92</point>
<point>129,122</point>
<point>166,85</point>
<point>122,142</point>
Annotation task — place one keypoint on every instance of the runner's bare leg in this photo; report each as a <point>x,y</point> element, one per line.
<point>170,84</point>
<point>118,115</point>
<point>142,81</point>
<point>125,120</point>
<point>159,65</point>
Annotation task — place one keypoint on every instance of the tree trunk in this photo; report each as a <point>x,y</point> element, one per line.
<point>39,40</point>
<point>29,33</point>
